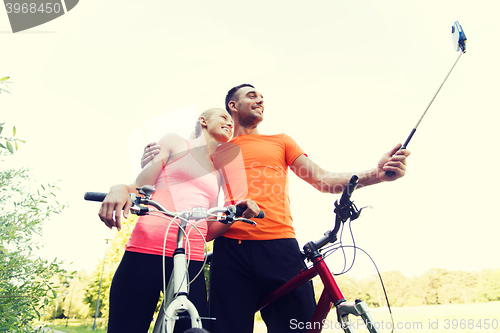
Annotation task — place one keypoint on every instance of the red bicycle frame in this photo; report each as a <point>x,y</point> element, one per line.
<point>331,295</point>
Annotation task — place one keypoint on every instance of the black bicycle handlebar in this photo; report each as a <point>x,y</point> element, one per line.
<point>344,210</point>
<point>345,199</point>
<point>94,196</point>
<point>237,211</point>
<point>240,210</point>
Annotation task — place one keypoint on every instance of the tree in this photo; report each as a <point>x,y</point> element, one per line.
<point>72,298</point>
<point>113,257</point>
<point>25,289</point>
<point>396,286</point>
<point>70,295</point>
<point>488,288</point>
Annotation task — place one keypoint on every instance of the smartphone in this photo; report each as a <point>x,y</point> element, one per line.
<point>459,38</point>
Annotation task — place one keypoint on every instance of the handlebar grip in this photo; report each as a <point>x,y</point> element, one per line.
<point>95,196</point>
<point>240,210</point>
<point>349,188</point>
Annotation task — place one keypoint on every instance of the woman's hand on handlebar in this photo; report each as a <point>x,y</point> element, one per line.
<point>117,201</point>
<point>251,208</point>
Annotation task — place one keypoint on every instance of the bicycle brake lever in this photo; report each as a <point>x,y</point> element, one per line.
<point>349,211</point>
<point>345,211</point>
<point>230,220</point>
<point>146,190</point>
<point>370,206</point>
<point>242,219</point>
<point>356,212</point>
<point>139,210</point>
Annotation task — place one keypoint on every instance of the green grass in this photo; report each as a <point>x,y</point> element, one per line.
<point>463,318</point>
<point>452,318</point>
<point>80,326</point>
<point>77,326</point>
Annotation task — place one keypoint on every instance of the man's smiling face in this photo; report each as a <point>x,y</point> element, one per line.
<point>249,106</point>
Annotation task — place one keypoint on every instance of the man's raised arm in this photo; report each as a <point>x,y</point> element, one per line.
<point>334,182</point>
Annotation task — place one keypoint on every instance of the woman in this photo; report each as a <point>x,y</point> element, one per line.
<point>184,177</point>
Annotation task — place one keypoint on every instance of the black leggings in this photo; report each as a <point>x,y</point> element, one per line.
<point>136,288</point>
<point>244,272</point>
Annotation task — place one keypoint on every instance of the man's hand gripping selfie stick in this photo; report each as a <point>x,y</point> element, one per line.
<point>459,41</point>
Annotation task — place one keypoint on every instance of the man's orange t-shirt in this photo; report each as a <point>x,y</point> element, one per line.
<point>266,159</point>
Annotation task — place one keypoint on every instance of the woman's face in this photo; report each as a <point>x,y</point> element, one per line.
<point>220,125</point>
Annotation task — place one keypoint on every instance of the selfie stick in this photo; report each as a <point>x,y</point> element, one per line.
<point>459,41</point>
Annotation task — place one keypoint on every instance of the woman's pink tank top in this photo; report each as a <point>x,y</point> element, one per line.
<point>183,184</point>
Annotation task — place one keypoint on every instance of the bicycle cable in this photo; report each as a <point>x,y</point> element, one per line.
<point>188,245</point>
<point>205,245</point>
<point>328,250</point>
<point>381,282</point>
<point>172,221</point>
<point>342,246</point>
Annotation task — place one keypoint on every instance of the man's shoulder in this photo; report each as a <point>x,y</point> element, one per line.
<point>283,138</point>
<point>261,137</point>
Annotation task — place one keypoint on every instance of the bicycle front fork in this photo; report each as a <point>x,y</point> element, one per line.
<point>358,309</point>
<point>176,301</point>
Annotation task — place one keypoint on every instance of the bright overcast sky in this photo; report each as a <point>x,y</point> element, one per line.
<point>346,79</point>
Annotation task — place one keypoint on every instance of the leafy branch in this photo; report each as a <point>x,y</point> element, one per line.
<point>3,81</point>
<point>9,143</point>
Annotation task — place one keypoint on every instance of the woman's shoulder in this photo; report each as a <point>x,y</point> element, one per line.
<point>173,136</point>
<point>172,140</point>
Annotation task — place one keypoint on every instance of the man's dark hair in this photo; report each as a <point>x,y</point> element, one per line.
<point>232,92</point>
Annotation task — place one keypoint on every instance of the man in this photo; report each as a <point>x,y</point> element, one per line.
<point>250,261</point>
